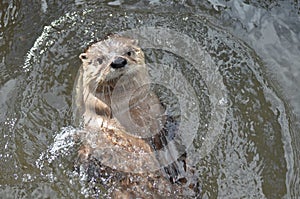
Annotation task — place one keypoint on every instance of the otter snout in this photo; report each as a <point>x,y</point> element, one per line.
<point>119,62</point>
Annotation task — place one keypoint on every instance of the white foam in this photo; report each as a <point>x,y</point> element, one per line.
<point>63,141</point>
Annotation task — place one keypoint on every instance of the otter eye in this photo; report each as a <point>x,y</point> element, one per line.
<point>99,60</point>
<point>130,53</point>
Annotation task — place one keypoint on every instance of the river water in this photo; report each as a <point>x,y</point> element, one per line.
<point>252,50</point>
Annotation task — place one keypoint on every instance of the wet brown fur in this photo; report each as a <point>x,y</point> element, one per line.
<point>100,95</point>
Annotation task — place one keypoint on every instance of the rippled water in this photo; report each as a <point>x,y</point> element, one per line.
<point>257,152</point>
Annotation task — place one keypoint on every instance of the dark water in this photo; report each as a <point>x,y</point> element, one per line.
<point>252,45</point>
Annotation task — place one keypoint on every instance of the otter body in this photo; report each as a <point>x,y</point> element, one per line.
<point>118,113</point>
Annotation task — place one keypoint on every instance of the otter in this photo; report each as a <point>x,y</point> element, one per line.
<point>119,113</point>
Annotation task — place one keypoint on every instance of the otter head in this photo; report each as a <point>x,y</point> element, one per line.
<point>107,60</point>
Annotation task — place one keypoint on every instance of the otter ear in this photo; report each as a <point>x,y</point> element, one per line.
<point>83,57</point>
<point>110,35</point>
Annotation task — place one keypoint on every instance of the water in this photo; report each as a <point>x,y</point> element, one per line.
<point>253,46</point>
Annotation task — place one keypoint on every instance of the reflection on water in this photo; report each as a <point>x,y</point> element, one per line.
<point>253,157</point>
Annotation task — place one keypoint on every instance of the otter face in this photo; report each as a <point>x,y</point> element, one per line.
<point>111,58</point>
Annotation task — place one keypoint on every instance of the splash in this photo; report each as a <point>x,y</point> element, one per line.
<point>62,145</point>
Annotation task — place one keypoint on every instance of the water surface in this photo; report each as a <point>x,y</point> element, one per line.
<point>252,45</point>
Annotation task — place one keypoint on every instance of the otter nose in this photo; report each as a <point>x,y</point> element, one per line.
<point>118,63</point>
